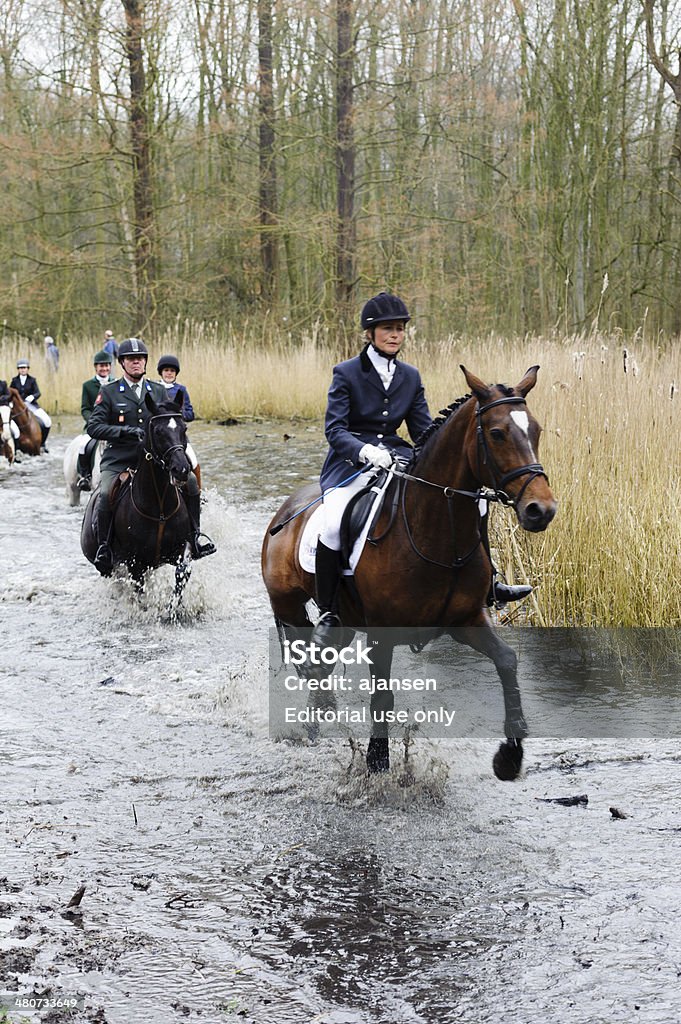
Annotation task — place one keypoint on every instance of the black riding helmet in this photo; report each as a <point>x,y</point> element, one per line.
<point>102,357</point>
<point>169,363</point>
<point>382,309</point>
<point>132,347</point>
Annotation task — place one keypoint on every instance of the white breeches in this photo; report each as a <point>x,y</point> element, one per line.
<point>335,501</point>
<point>41,414</point>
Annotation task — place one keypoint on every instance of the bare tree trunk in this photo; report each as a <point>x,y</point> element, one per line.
<point>268,170</point>
<point>142,181</point>
<point>674,174</point>
<point>345,161</point>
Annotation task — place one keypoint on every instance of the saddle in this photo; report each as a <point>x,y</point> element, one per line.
<point>117,488</point>
<point>359,517</point>
<point>366,503</point>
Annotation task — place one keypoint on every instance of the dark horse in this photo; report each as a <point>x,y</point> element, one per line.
<point>428,567</point>
<point>151,525</point>
<point>30,433</point>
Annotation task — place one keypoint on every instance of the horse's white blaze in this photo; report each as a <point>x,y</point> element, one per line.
<point>172,424</point>
<point>4,415</point>
<point>522,421</point>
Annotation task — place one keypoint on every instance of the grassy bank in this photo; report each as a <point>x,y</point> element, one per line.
<point>611,418</point>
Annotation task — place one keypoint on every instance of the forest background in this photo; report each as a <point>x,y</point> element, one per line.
<point>232,179</point>
<point>505,165</point>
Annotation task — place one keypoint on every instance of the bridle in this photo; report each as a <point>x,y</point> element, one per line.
<point>153,456</point>
<point>485,457</point>
<point>495,493</point>
<point>160,460</point>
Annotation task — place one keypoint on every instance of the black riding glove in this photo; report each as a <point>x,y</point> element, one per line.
<point>132,433</point>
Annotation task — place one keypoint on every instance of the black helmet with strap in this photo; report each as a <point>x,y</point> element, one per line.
<point>168,362</point>
<point>132,347</point>
<point>382,309</point>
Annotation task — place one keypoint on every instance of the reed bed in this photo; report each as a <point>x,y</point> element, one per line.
<point>611,414</point>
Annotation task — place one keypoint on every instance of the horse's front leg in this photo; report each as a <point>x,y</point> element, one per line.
<point>482,637</point>
<point>382,701</point>
<point>183,570</point>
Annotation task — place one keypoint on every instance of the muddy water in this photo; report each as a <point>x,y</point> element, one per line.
<point>230,877</point>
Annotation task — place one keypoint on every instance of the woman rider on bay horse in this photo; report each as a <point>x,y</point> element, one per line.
<point>370,397</point>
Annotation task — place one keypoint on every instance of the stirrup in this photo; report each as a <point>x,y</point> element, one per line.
<point>84,483</point>
<point>200,550</point>
<point>104,560</point>
<point>323,630</point>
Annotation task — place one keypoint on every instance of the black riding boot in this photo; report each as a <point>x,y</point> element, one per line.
<point>83,473</point>
<point>45,432</point>
<point>199,548</point>
<point>327,580</point>
<point>104,557</point>
<point>500,593</point>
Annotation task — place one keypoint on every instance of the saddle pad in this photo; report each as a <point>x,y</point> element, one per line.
<point>307,549</point>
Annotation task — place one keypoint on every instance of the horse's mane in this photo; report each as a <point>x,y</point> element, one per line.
<point>441,418</point>
<point>445,414</point>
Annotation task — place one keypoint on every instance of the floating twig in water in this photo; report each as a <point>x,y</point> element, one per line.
<point>564,801</point>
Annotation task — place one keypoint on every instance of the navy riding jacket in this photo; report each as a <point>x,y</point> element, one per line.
<point>29,388</point>
<point>361,411</point>
<point>187,408</point>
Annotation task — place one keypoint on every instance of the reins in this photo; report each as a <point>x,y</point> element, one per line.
<point>25,413</point>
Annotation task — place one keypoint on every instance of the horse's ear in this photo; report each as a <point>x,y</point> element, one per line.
<point>151,404</point>
<point>177,402</point>
<point>528,381</point>
<point>481,390</point>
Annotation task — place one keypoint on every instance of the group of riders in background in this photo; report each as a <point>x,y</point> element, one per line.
<point>115,412</point>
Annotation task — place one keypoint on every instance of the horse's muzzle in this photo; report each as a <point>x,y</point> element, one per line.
<point>180,469</point>
<point>535,516</point>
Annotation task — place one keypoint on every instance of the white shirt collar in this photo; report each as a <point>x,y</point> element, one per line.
<point>384,366</point>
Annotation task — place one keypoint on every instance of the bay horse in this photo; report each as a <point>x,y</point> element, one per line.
<point>427,566</point>
<point>151,524</point>
<point>30,433</point>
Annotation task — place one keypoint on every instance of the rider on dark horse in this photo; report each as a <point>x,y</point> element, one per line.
<point>370,397</point>
<point>118,417</point>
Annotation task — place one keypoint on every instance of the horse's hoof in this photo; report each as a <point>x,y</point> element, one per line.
<point>378,755</point>
<point>508,760</point>
<point>104,560</point>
